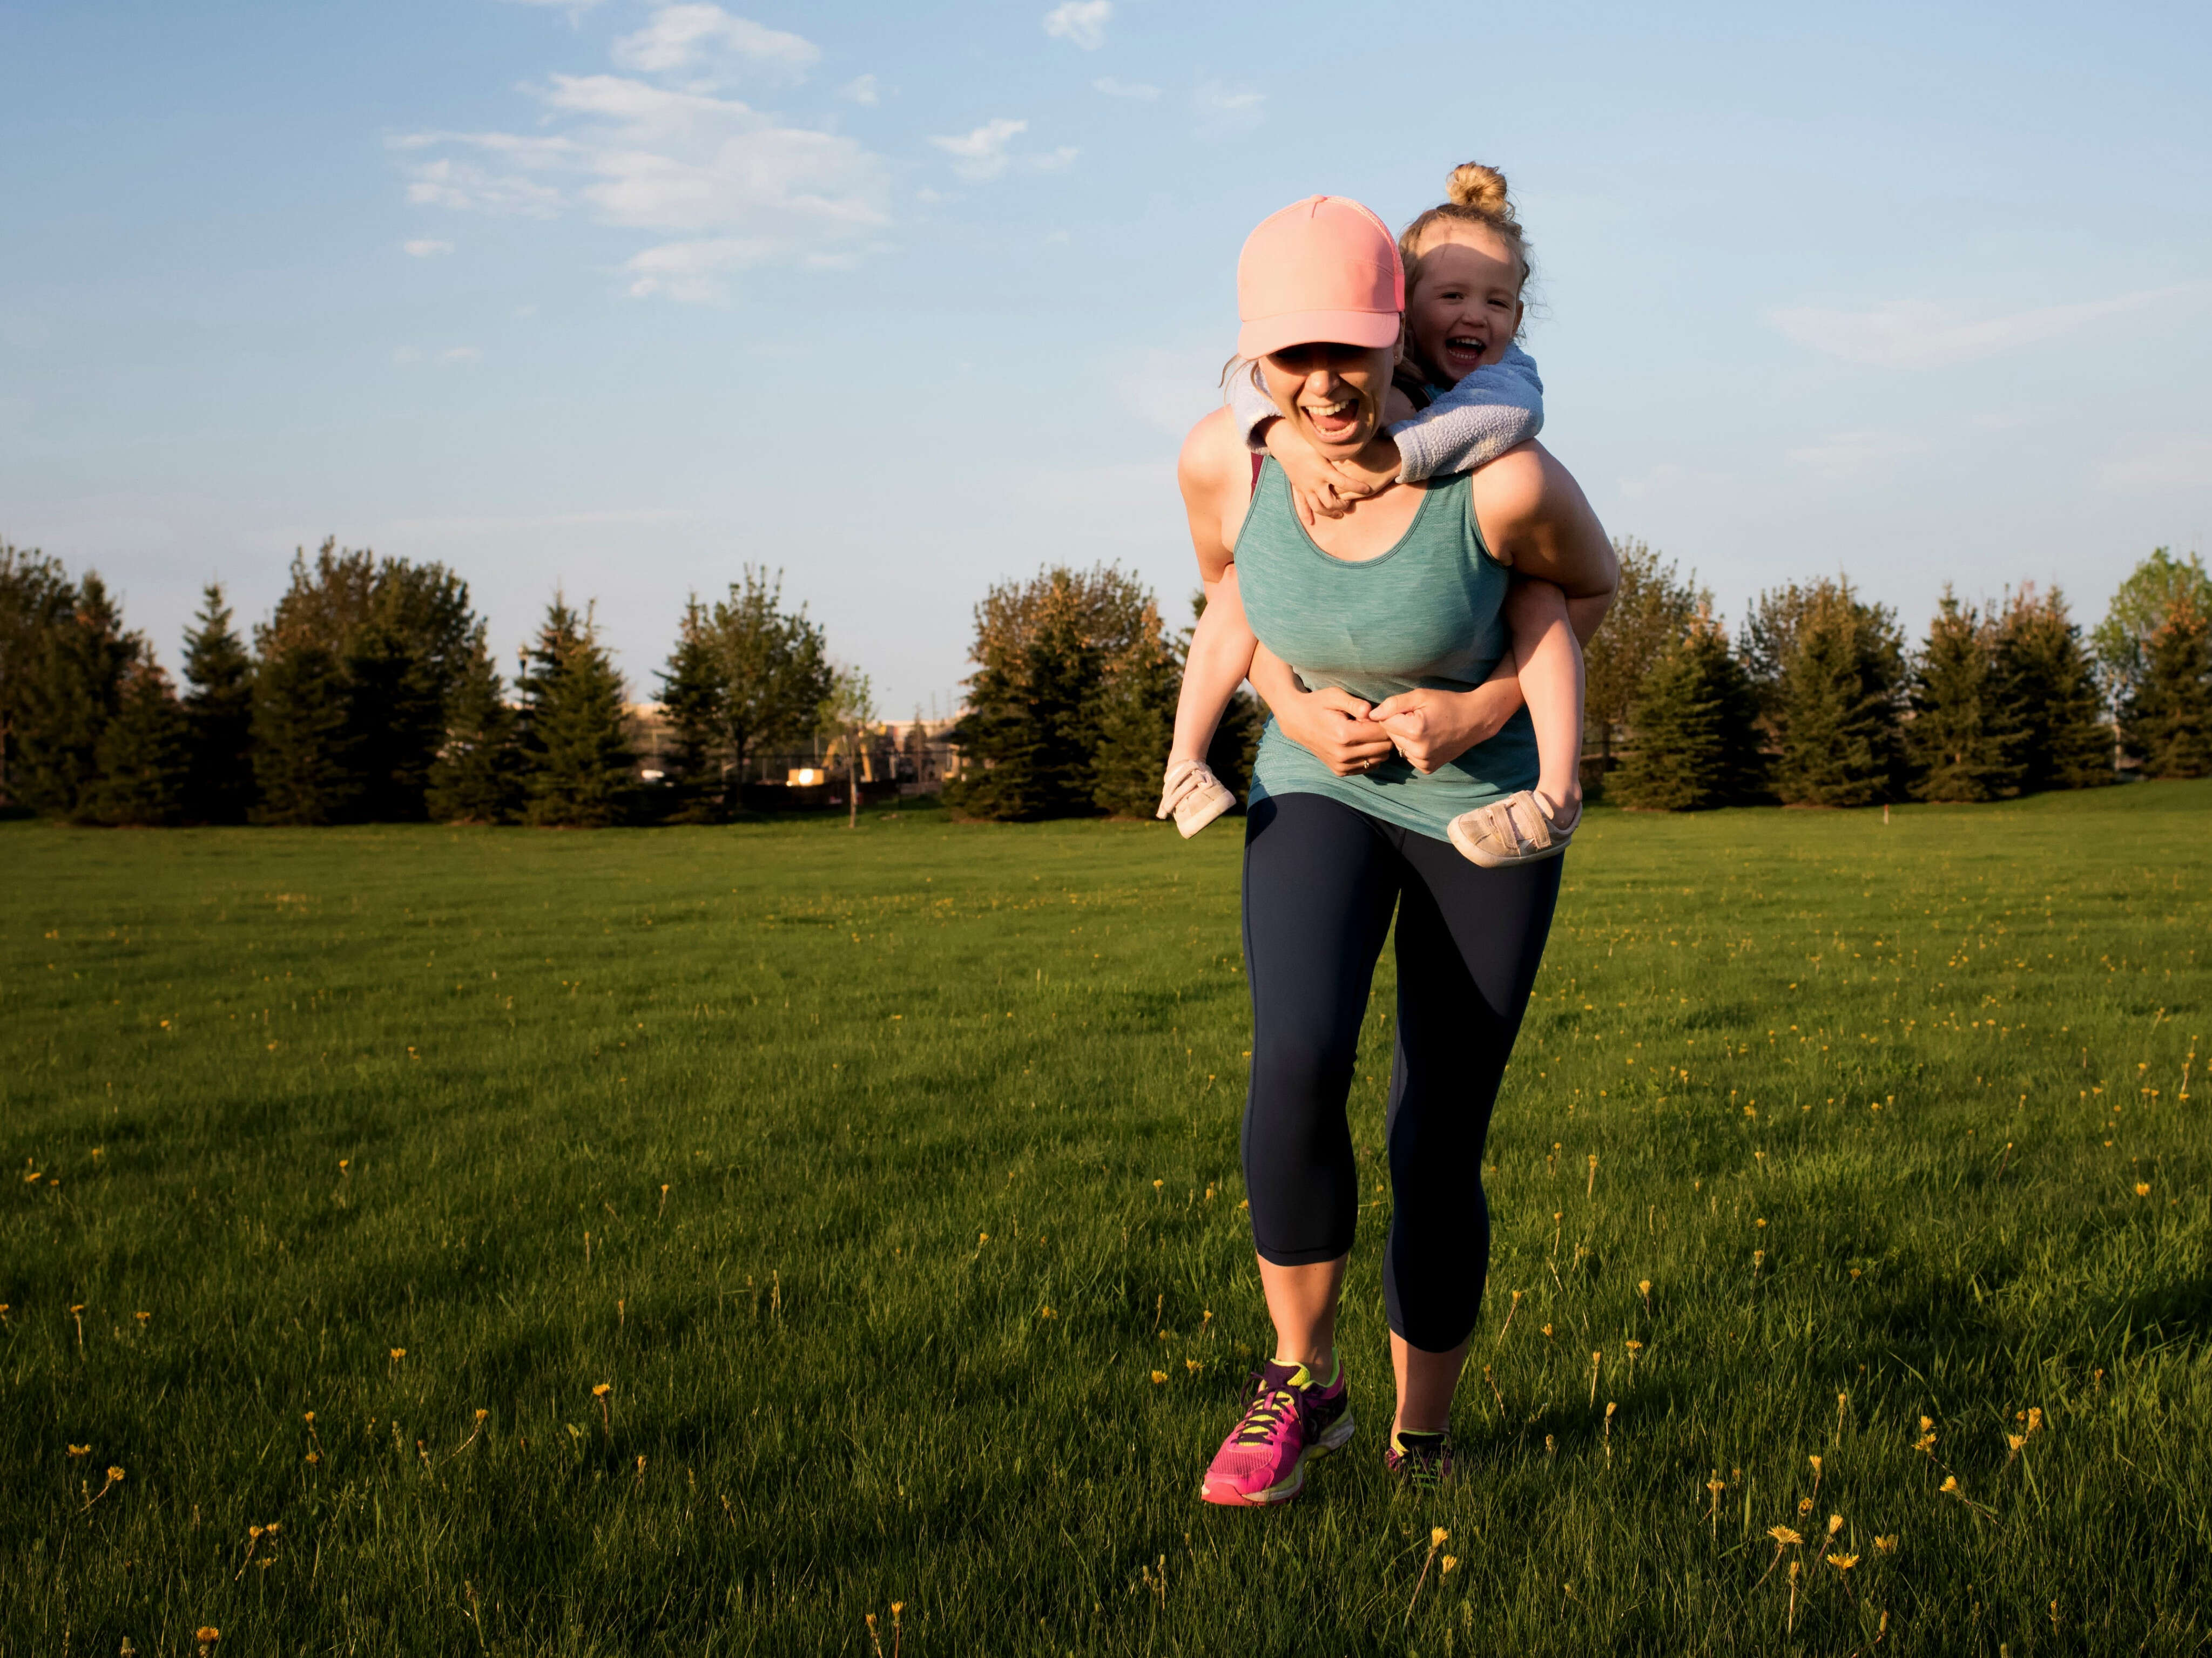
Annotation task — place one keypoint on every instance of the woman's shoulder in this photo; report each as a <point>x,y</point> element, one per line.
<point>1532,514</point>
<point>1213,452</point>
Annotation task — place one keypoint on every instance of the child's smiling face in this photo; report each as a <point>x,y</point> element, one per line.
<point>1465,307</point>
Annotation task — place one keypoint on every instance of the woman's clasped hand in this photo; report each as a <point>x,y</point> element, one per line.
<point>1430,729</point>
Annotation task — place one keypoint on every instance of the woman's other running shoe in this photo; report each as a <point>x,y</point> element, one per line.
<point>1420,1462</point>
<point>1290,1420</point>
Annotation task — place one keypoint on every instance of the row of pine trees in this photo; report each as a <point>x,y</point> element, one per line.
<point>1821,701</point>
<point>371,693</point>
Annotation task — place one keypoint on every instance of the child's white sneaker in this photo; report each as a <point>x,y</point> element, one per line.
<point>1521,828</point>
<point>1194,797</point>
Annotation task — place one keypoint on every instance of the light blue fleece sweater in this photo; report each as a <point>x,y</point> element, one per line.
<point>1498,406</point>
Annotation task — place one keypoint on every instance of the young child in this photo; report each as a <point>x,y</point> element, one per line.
<point>1466,266</point>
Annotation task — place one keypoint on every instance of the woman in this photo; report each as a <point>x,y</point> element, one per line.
<point>1383,662</point>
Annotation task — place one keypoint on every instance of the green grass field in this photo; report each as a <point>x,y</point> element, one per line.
<point>889,1182</point>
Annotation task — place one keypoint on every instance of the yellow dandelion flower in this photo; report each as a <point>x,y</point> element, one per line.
<point>1449,1562</point>
<point>601,1389</point>
<point>1835,1524</point>
<point>115,1476</point>
<point>1437,1536</point>
<point>80,1450</point>
<point>1886,1544</point>
<point>1047,1312</point>
<point>1804,1505</point>
<point>2143,1188</point>
<point>1785,1535</point>
<point>207,1635</point>
<point>1926,1422</point>
<point>1950,1484</point>
<point>1843,1562</point>
<point>399,1353</point>
<point>1159,1378</point>
<point>983,1238</point>
<point>2034,1418</point>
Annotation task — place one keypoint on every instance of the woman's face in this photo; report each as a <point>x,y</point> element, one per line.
<point>1332,395</point>
<point>1466,308</point>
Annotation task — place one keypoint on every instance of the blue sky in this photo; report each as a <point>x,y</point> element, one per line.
<point>616,297</point>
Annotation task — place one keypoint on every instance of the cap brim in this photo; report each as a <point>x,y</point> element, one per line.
<point>1370,329</point>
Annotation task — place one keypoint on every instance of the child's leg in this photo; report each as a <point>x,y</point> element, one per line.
<point>1220,656</point>
<point>1550,670</point>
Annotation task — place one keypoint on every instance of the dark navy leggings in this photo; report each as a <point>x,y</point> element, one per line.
<point>1321,882</point>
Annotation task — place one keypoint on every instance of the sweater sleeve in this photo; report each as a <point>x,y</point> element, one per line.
<point>1497,406</point>
<point>1251,406</point>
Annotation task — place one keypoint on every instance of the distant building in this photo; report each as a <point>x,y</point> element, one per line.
<point>900,756</point>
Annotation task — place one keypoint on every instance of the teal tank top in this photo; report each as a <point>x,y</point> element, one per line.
<point>1426,614</point>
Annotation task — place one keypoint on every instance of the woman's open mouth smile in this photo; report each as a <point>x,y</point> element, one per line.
<point>1335,422</point>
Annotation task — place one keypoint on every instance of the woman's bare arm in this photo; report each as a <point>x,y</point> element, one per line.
<point>1535,518</point>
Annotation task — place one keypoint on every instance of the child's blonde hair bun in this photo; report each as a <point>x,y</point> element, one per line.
<point>1482,188</point>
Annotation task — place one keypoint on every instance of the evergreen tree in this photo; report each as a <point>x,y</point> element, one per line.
<point>145,755</point>
<point>2046,690</point>
<point>1652,611</point>
<point>400,634</point>
<point>1032,726</point>
<point>577,768</point>
<point>34,596</point>
<point>694,698</point>
<point>1136,721</point>
<point>473,779</point>
<point>776,670</point>
<point>2138,609</point>
<point>304,767</point>
<point>218,715</point>
<point>1695,720</point>
<point>2168,722</point>
<point>1838,686</point>
<point>75,687</point>
<point>1958,740</point>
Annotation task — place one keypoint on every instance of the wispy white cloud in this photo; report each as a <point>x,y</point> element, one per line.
<point>423,248</point>
<point>1847,454</point>
<point>1082,22</point>
<point>739,187</point>
<point>1224,111</point>
<point>1136,89</point>
<point>986,152</point>
<point>469,185</point>
<point>2183,460</point>
<point>861,89</point>
<point>704,39</point>
<point>451,356</point>
<point>1920,334</point>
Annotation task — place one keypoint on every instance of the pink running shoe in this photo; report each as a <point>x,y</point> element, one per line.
<point>1290,1421</point>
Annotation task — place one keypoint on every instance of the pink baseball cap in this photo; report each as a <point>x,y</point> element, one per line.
<point>1322,269</point>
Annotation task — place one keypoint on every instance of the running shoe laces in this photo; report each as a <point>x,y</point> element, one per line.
<point>1270,1408</point>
